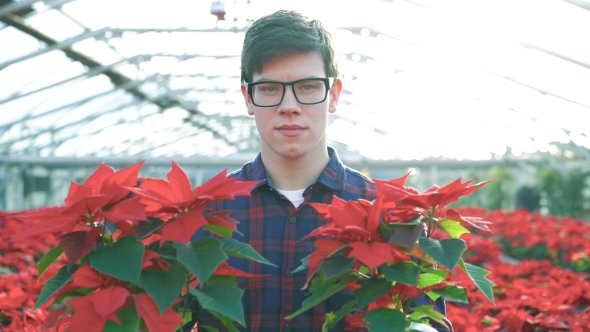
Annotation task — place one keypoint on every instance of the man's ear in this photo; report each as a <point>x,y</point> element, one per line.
<point>335,95</point>
<point>247,100</point>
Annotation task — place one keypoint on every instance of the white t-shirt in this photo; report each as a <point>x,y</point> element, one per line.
<point>295,196</point>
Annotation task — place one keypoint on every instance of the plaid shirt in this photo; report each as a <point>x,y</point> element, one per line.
<point>274,227</point>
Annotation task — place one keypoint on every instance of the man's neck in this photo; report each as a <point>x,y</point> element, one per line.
<point>294,174</point>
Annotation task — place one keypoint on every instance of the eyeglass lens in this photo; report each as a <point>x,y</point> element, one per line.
<point>307,92</point>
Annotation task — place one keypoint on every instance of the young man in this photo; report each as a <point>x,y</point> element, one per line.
<point>290,83</point>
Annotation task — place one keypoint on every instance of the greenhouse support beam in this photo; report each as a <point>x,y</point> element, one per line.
<point>580,3</point>
<point>575,149</point>
<point>52,44</point>
<point>63,139</point>
<point>90,73</point>
<point>16,6</point>
<point>56,143</point>
<point>65,45</point>
<point>115,77</point>
<point>77,103</point>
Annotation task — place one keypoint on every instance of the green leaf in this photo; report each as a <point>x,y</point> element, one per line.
<point>334,317</point>
<point>304,264</point>
<point>225,300</point>
<point>387,231</point>
<point>164,286</point>
<point>478,275</point>
<point>335,265</point>
<point>417,315</point>
<point>56,283</point>
<point>122,259</point>
<point>385,319</point>
<point>419,327</point>
<point>228,322</point>
<point>364,270</point>
<point>454,228</point>
<point>428,279</point>
<point>201,257</point>
<point>187,315</point>
<point>453,293</point>
<point>433,295</point>
<point>209,327</point>
<point>402,272</point>
<point>239,249</point>
<point>321,289</point>
<point>219,230</point>
<point>441,273</point>
<point>221,280</point>
<point>428,311</point>
<point>146,228</point>
<point>166,251</point>
<point>129,321</point>
<point>405,235</point>
<point>371,289</point>
<point>48,259</point>
<point>447,252</point>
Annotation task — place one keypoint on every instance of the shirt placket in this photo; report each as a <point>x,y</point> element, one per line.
<point>289,263</point>
<point>288,267</point>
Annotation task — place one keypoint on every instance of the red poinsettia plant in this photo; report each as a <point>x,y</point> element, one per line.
<point>131,261</point>
<point>387,251</point>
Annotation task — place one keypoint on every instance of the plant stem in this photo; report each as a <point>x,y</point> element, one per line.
<point>185,301</point>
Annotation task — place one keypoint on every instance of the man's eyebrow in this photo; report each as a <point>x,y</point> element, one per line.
<point>263,79</point>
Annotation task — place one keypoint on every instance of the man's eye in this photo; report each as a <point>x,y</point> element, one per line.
<point>307,86</point>
<point>268,88</point>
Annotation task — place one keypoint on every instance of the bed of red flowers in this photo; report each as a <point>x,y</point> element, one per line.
<point>540,266</point>
<point>20,284</point>
<point>119,256</point>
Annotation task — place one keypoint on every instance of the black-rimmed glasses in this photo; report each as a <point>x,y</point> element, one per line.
<point>307,91</point>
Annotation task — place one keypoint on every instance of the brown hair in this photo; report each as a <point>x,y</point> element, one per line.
<point>284,33</point>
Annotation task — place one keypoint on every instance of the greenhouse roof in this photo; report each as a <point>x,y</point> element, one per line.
<point>423,79</point>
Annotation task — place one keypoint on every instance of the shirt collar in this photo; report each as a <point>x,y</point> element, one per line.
<point>257,172</point>
<point>331,176</point>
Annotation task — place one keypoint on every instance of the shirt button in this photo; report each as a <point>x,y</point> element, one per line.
<point>287,327</point>
<point>292,220</point>
<point>289,273</point>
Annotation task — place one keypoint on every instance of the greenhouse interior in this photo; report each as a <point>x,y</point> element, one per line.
<point>494,91</point>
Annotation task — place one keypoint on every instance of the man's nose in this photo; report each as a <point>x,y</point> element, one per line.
<point>289,103</point>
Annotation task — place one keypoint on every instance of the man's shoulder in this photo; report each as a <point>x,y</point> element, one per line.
<point>358,185</point>
<point>241,173</point>
<point>358,176</point>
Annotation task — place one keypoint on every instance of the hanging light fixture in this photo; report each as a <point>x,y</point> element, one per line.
<point>218,9</point>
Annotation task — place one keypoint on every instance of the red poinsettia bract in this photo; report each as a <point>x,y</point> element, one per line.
<point>182,208</point>
<point>81,222</point>
<point>355,224</point>
<point>379,240</point>
<point>402,202</point>
<point>105,230</point>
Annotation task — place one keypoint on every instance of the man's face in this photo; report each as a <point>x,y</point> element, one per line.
<point>291,130</point>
